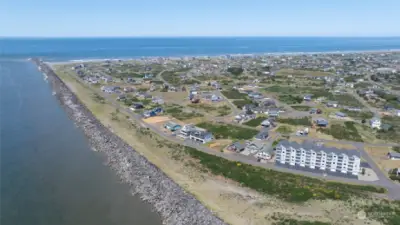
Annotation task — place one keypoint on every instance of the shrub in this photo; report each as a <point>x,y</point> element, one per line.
<point>347,132</point>
<point>228,131</point>
<point>240,103</point>
<point>301,107</point>
<point>255,122</point>
<point>234,94</point>
<point>305,121</point>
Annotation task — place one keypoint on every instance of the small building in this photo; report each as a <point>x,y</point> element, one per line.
<point>144,95</point>
<point>121,97</point>
<point>321,122</point>
<point>266,123</point>
<point>129,89</point>
<point>264,154</point>
<point>256,146</point>
<point>262,135</point>
<point>172,126</point>
<point>307,97</point>
<point>393,155</point>
<point>236,146</point>
<point>376,123</point>
<point>107,78</point>
<point>273,113</point>
<point>136,106</point>
<point>109,89</point>
<point>340,114</point>
<point>333,104</point>
<point>157,100</point>
<point>201,136</point>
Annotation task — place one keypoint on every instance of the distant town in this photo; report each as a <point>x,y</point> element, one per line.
<point>333,115</point>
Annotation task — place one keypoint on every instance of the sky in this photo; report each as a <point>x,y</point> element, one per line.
<point>160,18</point>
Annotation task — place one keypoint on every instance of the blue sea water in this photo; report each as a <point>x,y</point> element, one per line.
<point>59,49</point>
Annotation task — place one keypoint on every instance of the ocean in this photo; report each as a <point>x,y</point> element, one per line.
<point>59,49</point>
<point>49,175</point>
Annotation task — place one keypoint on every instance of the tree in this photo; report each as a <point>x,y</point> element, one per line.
<point>363,121</point>
<point>235,70</point>
<point>363,171</point>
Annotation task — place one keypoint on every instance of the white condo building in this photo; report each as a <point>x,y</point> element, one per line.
<point>317,157</point>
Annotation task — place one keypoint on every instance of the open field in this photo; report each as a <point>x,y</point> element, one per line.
<point>378,154</point>
<point>230,200</point>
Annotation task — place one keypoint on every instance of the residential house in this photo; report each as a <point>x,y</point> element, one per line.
<point>157,100</point>
<point>129,89</point>
<point>172,126</point>
<point>273,112</point>
<point>333,104</point>
<point>321,122</point>
<point>248,107</point>
<point>153,112</point>
<point>262,135</point>
<point>121,97</point>
<point>185,131</point>
<point>256,146</point>
<point>144,95</point>
<point>393,155</point>
<point>264,154</point>
<point>375,123</point>
<point>237,146</point>
<point>266,123</point>
<point>93,80</point>
<point>109,89</point>
<point>107,78</point>
<point>340,114</point>
<point>148,76</point>
<point>307,97</point>
<point>255,95</point>
<point>201,136</point>
<point>136,106</point>
<point>318,158</point>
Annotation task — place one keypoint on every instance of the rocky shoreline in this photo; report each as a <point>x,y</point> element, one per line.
<point>175,206</point>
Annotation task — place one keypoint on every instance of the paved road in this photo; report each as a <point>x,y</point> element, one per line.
<point>393,189</point>
<point>365,104</point>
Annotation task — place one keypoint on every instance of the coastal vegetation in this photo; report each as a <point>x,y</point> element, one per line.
<point>177,112</point>
<point>255,122</point>
<point>240,103</point>
<point>286,186</point>
<point>284,129</point>
<point>346,132</point>
<point>363,115</point>
<point>290,99</point>
<point>305,121</point>
<point>234,94</point>
<point>228,131</point>
<point>301,107</point>
<point>236,71</point>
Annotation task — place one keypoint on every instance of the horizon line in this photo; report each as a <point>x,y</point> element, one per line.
<point>194,36</point>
